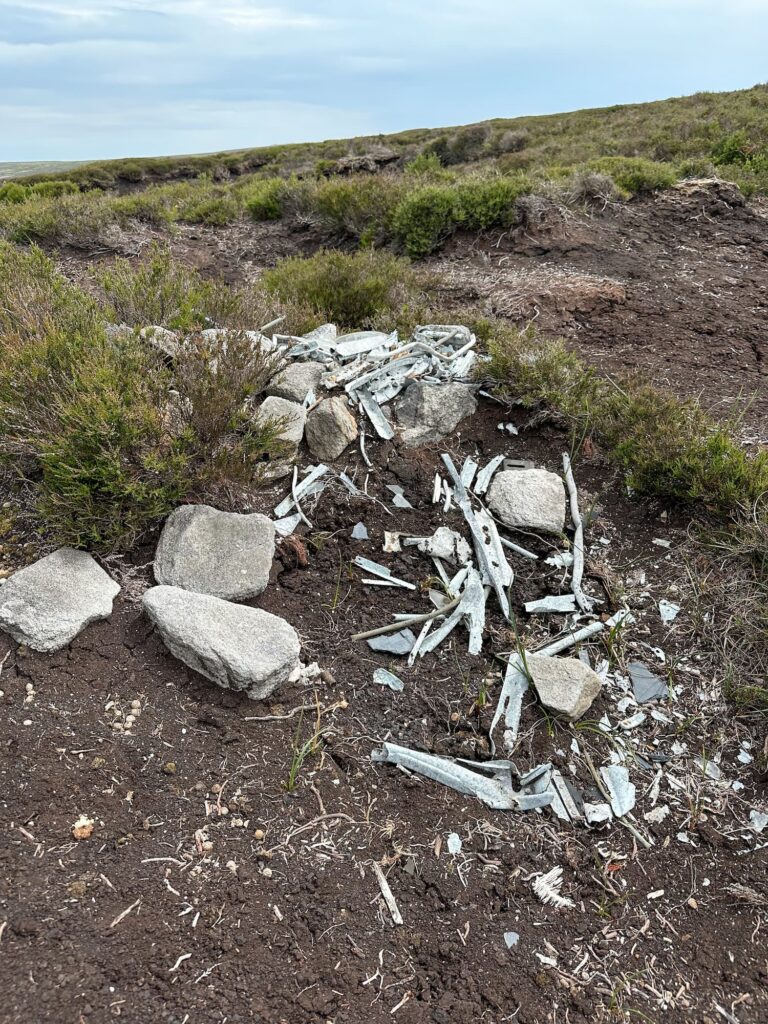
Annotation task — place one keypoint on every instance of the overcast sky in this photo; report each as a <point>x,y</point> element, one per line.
<point>82,79</point>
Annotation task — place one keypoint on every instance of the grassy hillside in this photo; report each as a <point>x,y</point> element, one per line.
<point>673,130</point>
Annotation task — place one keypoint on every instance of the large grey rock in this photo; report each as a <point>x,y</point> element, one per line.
<point>429,412</point>
<point>237,647</point>
<point>47,604</point>
<point>331,427</point>
<point>531,499</point>
<point>564,685</point>
<point>296,381</point>
<point>224,554</point>
<point>294,413</point>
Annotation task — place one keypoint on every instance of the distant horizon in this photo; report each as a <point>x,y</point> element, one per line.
<point>373,134</point>
<point>97,81</point>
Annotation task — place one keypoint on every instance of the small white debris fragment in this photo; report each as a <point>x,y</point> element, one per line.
<point>597,814</point>
<point>398,498</point>
<point>709,767</point>
<point>620,789</point>
<point>359,532</point>
<point>547,888</point>
<point>454,843</point>
<point>656,895</point>
<point>562,560</point>
<point>668,611</point>
<point>391,543</point>
<point>661,543</point>
<point>758,820</point>
<point>554,604</point>
<point>388,895</point>
<point>511,939</point>
<point>386,678</point>
<point>657,815</point>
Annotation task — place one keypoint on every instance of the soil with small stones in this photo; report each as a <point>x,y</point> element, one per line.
<point>226,880</point>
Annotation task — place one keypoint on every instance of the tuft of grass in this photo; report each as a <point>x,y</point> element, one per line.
<point>353,290</point>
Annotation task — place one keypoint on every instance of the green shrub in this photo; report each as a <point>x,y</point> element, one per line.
<point>215,210</point>
<point>109,440</point>
<point>13,192</point>
<point>424,218</point>
<point>82,221</point>
<point>360,206</point>
<point>671,448</point>
<point>489,202</point>
<point>735,148</point>
<point>52,189</point>
<point>350,289</point>
<point>264,199</point>
<point>696,168</point>
<point>427,166</point>
<point>36,300</point>
<point>635,175</point>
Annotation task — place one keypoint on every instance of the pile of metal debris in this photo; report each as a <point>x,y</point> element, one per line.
<point>373,367</point>
<point>474,568</point>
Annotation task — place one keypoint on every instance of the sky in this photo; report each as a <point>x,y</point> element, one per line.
<point>89,79</point>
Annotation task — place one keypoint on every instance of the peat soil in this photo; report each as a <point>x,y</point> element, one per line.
<point>673,289</point>
<point>229,879</point>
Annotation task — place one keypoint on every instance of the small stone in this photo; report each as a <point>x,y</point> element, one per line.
<point>296,381</point>
<point>98,762</point>
<point>429,412</point>
<point>564,685</point>
<point>267,872</point>
<point>136,705</point>
<point>258,834</point>
<point>331,427</point>
<point>130,719</point>
<point>83,827</point>
<point>273,408</point>
<point>207,845</point>
<point>162,340</point>
<point>224,554</point>
<point>237,647</point>
<point>77,889</point>
<point>531,499</point>
<point>48,603</point>
<point>169,768</point>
